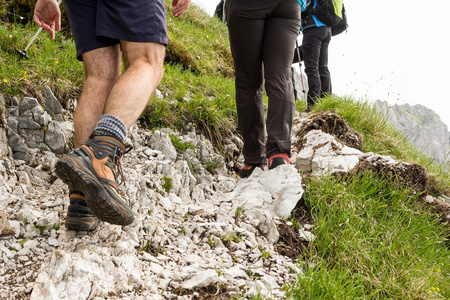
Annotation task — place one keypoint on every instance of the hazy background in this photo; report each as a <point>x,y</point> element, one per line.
<point>393,51</point>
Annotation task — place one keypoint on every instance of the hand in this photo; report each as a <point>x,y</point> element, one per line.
<point>48,16</point>
<point>179,7</point>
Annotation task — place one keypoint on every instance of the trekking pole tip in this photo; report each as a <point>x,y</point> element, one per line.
<point>22,53</point>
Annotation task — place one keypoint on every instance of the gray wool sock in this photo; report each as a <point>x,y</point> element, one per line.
<point>111,126</point>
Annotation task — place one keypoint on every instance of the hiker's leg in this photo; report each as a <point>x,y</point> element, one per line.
<point>246,35</point>
<point>101,59</point>
<point>142,35</point>
<point>280,33</point>
<point>325,78</point>
<point>102,68</point>
<point>131,93</point>
<point>311,52</point>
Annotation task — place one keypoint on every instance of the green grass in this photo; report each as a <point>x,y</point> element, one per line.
<point>51,62</point>
<point>205,102</point>
<point>199,43</point>
<point>373,240</point>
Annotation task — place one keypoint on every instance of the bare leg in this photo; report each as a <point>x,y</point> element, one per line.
<point>102,68</point>
<point>131,93</point>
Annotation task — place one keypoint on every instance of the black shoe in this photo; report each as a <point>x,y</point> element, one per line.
<point>247,170</point>
<point>79,215</point>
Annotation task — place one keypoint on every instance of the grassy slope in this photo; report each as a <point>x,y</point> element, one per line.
<point>373,241</point>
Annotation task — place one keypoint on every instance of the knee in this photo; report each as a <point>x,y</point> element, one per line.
<point>280,82</point>
<point>151,67</point>
<point>157,69</point>
<point>103,77</point>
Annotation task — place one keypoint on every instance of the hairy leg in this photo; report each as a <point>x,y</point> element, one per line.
<point>102,68</point>
<point>143,72</point>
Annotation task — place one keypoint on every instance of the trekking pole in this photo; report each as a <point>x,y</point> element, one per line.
<point>24,52</point>
<point>301,73</point>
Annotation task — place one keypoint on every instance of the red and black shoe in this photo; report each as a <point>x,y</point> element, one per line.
<point>94,169</point>
<point>247,170</point>
<point>278,159</point>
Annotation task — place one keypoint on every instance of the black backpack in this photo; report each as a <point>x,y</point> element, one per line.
<point>325,12</point>
<point>342,25</point>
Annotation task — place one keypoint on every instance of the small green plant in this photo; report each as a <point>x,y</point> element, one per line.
<point>147,246</point>
<point>231,237</point>
<point>182,230</point>
<point>44,128</point>
<point>167,185</point>
<point>212,242</point>
<point>41,228</point>
<point>295,223</point>
<point>211,164</point>
<point>179,144</point>
<point>240,210</point>
<point>253,275</point>
<point>193,165</point>
<point>218,271</point>
<point>264,254</point>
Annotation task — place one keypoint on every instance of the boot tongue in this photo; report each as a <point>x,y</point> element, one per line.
<point>112,140</point>
<point>103,146</point>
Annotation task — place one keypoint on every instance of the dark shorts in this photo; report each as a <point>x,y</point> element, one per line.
<point>102,23</point>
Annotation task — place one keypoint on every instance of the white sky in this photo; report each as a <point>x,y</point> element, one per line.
<point>395,51</point>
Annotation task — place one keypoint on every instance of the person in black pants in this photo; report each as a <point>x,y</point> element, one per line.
<point>262,38</point>
<point>316,39</point>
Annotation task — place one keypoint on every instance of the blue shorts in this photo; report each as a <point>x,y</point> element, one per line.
<point>102,23</point>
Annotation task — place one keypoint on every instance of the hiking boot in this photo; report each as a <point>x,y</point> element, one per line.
<point>247,170</point>
<point>278,159</point>
<point>94,169</point>
<point>79,215</point>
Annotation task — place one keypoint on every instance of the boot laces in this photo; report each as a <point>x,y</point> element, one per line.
<point>116,165</point>
<point>114,154</point>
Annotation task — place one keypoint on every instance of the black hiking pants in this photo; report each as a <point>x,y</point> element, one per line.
<point>315,54</point>
<point>262,37</point>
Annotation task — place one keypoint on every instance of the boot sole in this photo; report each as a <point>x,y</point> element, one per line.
<point>73,172</point>
<point>82,223</point>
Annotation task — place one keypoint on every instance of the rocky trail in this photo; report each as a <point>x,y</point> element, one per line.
<point>199,232</point>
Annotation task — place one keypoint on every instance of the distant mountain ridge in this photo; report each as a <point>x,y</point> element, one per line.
<point>422,125</point>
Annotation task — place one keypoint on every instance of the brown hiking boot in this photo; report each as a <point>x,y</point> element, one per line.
<point>93,169</point>
<point>79,215</point>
